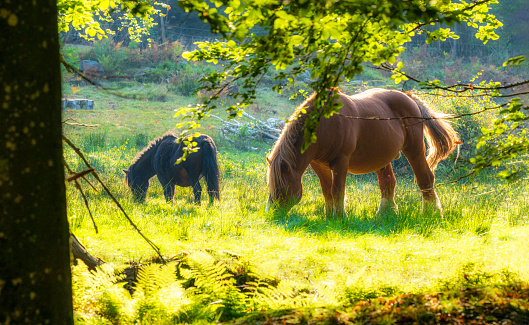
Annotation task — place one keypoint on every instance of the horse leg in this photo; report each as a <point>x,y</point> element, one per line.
<point>387,183</point>
<point>168,192</point>
<point>339,175</point>
<point>325,176</point>
<point>197,189</point>
<point>426,181</point>
<point>168,188</point>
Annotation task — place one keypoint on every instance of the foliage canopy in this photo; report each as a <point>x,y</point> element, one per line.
<point>330,40</point>
<point>85,16</point>
<point>326,42</point>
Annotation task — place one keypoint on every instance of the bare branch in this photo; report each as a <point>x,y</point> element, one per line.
<point>76,123</point>
<point>79,188</point>
<point>75,176</point>
<point>80,154</point>
<point>459,87</point>
<point>450,117</point>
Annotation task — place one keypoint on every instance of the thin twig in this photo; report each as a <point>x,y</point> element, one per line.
<point>449,117</point>
<point>75,123</point>
<point>455,180</point>
<point>80,154</point>
<point>463,87</point>
<point>436,186</point>
<point>74,176</point>
<point>107,90</point>
<point>79,188</point>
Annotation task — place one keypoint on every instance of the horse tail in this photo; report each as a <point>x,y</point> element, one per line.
<point>441,137</point>
<point>210,167</point>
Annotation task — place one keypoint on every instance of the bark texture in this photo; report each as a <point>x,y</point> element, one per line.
<point>35,277</point>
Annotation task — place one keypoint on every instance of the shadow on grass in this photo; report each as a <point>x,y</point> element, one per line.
<point>471,207</point>
<point>410,219</point>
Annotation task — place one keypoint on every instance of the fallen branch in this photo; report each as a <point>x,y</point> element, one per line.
<point>79,252</point>
<point>265,125</point>
<point>254,130</point>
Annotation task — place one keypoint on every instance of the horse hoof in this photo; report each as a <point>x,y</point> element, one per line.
<point>388,211</point>
<point>336,215</point>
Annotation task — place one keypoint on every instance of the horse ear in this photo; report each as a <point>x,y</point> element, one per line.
<point>268,160</point>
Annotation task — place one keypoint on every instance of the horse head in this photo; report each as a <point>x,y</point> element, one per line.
<point>284,185</point>
<point>138,187</point>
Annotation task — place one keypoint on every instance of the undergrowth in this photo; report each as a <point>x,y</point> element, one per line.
<point>210,288</point>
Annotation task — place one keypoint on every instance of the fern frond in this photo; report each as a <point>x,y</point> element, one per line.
<point>151,278</point>
<point>214,286</point>
<point>284,295</point>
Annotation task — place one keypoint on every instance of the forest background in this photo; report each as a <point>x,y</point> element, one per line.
<point>232,260</point>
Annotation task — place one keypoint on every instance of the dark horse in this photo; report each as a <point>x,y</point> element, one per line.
<point>159,158</point>
<point>370,130</point>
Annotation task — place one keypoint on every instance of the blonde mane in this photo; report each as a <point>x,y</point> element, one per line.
<point>284,150</point>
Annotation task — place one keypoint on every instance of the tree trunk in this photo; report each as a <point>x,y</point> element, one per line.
<point>162,28</point>
<point>35,277</point>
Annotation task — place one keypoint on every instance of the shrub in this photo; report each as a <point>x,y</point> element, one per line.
<point>71,55</point>
<point>158,53</point>
<point>186,80</point>
<point>112,57</point>
<point>113,64</point>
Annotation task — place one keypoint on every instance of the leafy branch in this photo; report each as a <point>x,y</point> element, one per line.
<point>329,40</point>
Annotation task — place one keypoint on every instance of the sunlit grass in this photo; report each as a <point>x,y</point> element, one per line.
<point>408,252</point>
<point>485,222</point>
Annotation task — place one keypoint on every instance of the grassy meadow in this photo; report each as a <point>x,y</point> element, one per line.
<point>305,260</point>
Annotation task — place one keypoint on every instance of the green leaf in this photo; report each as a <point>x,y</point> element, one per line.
<point>514,61</point>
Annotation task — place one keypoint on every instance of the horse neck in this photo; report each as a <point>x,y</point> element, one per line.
<point>304,159</point>
<point>143,168</point>
<point>290,150</point>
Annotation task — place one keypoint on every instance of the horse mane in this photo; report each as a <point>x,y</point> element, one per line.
<point>151,145</point>
<point>284,150</point>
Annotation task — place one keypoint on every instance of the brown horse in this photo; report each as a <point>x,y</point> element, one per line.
<point>370,130</point>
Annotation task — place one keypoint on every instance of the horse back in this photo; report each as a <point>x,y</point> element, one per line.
<point>165,158</point>
<point>368,128</point>
<point>170,150</point>
<point>380,103</point>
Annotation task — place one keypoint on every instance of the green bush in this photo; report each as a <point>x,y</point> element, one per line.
<point>186,80</point>
<point>71,55</point>
<point>112,57</point>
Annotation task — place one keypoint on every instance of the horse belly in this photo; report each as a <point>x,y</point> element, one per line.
<point>182,178</point>
<point>374,154</point>
<point>363,165</point>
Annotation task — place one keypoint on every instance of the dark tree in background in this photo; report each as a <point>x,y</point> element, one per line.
<point>35,277</point>
<point>514,14</point>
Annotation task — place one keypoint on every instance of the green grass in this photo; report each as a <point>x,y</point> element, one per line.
<point>325,262</point>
